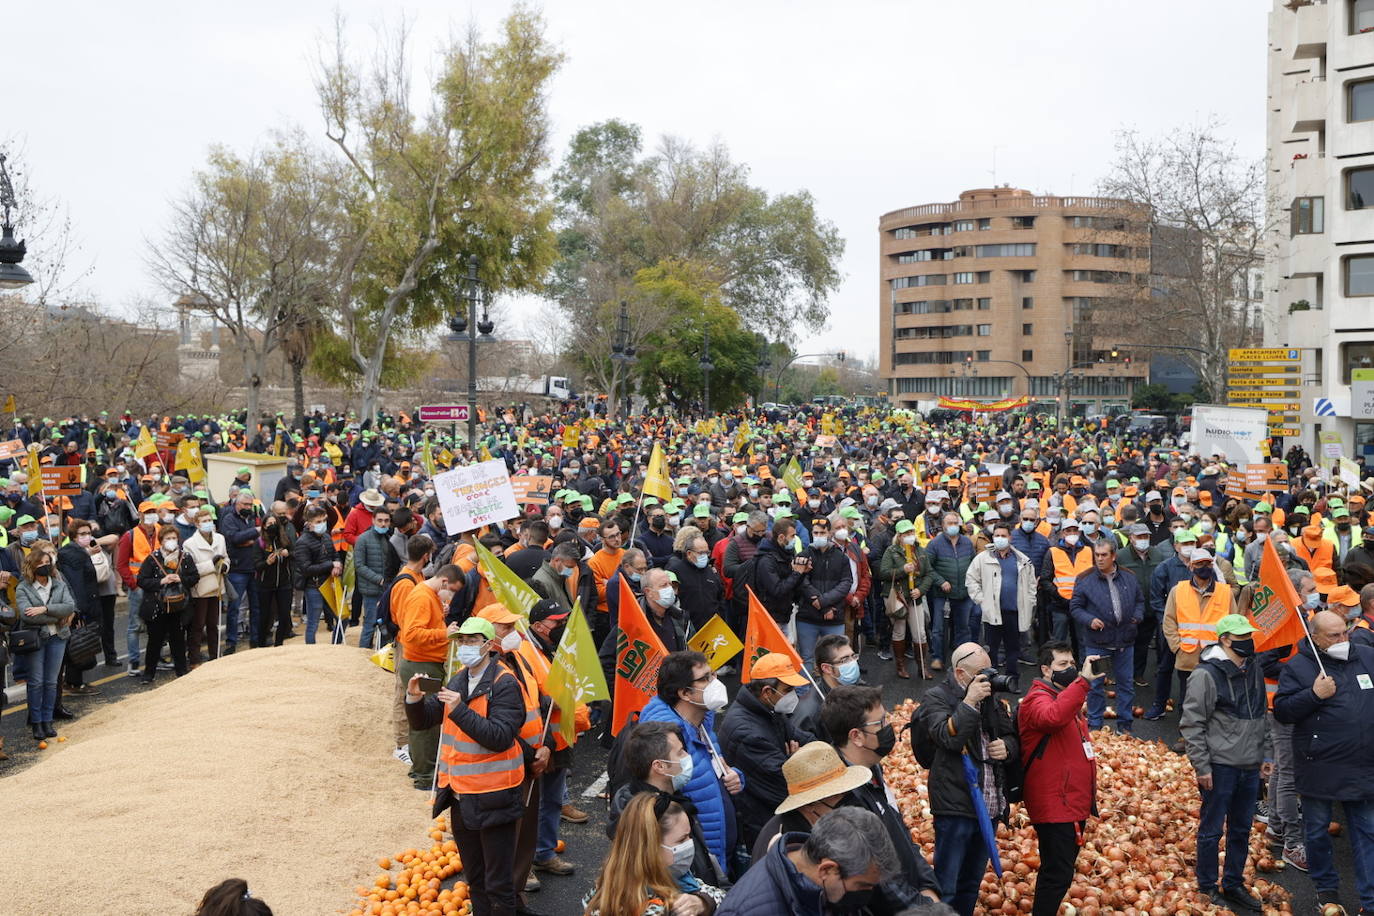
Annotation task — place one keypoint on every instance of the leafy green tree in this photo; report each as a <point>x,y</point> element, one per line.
<point>427,189</point>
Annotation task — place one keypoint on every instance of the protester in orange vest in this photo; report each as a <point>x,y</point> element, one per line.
<point>1192,611</point>
<point>482,762</point>
<point>422,648</point>
<point>134,547</point>
<point>1064,562</point>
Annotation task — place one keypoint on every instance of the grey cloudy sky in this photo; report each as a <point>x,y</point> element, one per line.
<point>872,105</point>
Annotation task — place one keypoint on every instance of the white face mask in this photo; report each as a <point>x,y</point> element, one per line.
<point>150,518</point>
<point>1071,540</point>
<point>667,596</point>
<point>842,534</point>
<point>206,526</point>
<point>1142,544</point>
<point>1185,553</point>
<point>813,503</point>
<point>169,545</point>
<point>787,703</point>
<point>908,539</point>
<point>1340,651</point>
<point>714,697</point>
<point>1001,543</point>
<point>510,642</point>
<point>555,522</point>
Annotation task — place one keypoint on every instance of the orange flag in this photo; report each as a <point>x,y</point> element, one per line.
<point>638,654</point>
<point>1274,613</point>
<point>761,636</point>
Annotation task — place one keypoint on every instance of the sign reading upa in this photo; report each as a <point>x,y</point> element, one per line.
<point>475,495</point>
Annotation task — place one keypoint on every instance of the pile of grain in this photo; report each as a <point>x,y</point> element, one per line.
<point>272,765</point>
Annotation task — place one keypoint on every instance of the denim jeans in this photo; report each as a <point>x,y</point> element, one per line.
<point>314,607</point>
<point>1283,793</point>
<point>369,620</point>
<point>808,633</point>
<point>552,786</point>
<point>958,628</point>
<point>1231,799</point>
<point>1004,640</point>
<point>248,593</point>
<point>960,860</point>
<point>1123,667</point>
<point>1316,815</point>
<point>41,686</point>
<point>135,602</point>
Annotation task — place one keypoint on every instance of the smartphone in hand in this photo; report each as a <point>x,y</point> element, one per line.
<point>430,684</point>
<point>1101,667</point>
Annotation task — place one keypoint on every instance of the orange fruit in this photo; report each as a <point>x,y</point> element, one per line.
<point>42,745</point>
<point>384,862</point>
<point>61,739</point>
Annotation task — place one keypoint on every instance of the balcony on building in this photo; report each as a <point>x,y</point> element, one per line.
<point>1310,25</point>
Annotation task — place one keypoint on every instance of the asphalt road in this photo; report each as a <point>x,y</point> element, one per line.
<point>587,843</point>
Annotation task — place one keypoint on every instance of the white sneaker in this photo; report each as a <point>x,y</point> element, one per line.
<point>402,754</point>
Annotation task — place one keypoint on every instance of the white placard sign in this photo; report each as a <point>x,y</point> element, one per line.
<point>475,495</point>
<point>1235,432</point>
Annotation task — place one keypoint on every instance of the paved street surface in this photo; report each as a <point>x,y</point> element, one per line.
<point>587,843</point>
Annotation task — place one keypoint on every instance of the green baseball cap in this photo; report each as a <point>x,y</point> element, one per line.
<point>25,520</point>
<point>1262,506</point>
<point>243,470</point>
<point>904,526</point>
<point>1185,536</point>
<point>850,512</point>
<point>1234,625</point>
<point>624,498</point>
<point>477,626</point>
<point>702,510</point>
<point>739,517</point>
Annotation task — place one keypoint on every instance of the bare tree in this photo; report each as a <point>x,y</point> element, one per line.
<point>1206,208</point>
<point>44,223</point>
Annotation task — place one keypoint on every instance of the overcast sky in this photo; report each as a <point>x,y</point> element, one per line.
<point>869,105</point>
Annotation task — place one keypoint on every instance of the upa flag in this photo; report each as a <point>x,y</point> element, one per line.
<point>1274,610</point>
<point>188,460</point>
<point>656,482</point>
<point>742,435</point>
<point>35,472</point>
<point>509,589</point>
<point>333,593</point>
<point>638,654</point>
<point>144,444</point>
<point>10,406</point>
<point>716,641</point>
<point>762,636</point>
<point>575,676</point>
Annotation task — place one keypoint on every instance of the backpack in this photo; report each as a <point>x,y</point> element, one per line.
<point>390,629</point>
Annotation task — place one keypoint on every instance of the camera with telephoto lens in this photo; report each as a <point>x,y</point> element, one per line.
<point>1001,683</point>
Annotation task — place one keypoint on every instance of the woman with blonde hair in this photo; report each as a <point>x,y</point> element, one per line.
<point>207,549</point>
<point>648,869</point>
<point>46,604</point>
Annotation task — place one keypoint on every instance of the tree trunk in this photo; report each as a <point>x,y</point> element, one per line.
<point>371,391</point>
<point>252,377</point>
<point>298,392</point>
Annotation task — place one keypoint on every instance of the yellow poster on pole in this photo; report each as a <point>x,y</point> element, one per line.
<point>716,641</point>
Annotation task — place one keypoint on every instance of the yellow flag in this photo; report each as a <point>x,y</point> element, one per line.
<point>575,676</point>
<point>332,590</point>
<point>144,444</point>
<point>742,434</point>
<point>385,657</point>
<point>35,472</point>
<point>512,591</point>
<point>570,436</point>
<point>792,475</point>
<point>427,458</point>
<point>188,460</point>
<point>485,453</point>
<point>716,641</point>
<point>656,482</point>
<point>10,406</point>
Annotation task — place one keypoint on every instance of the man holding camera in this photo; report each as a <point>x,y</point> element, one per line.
<point>959,718</point>
<point>1108,605</point>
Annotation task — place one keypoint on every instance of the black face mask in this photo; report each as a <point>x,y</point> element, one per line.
<point>1064,677</point>
<point>44,570</point>
<point>754,536</point>
<point>887,740</point>
<point>851,902</point>
<point>658,523</point>
<point>1243,647</point>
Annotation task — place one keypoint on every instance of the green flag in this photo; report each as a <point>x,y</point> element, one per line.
<point>791,475</point>
<point>575,676</point>
<point>508,588</point>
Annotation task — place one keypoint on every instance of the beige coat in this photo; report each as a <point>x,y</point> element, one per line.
<point>204,554</point>
<point>984,583</point>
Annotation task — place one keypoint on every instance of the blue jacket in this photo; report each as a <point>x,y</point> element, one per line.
<point>1034,545</point>
<point>1333,741</point>
<point>774,887</point>
<point>1092,601</point>
<point>1162,581</point>
<point>715,809</point>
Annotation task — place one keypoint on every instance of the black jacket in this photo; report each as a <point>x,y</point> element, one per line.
<point>829,580</point>
<point>150,581</point>
<point>241,539</point>
<point>496,731</point>
<point>701,594</point>
<point>76,567</point>
<point>704,865</point>
<point>282,572</point>
<point>901,891</point>
<point>754,738</point>
<point>775,582</point>
<point>1333,741</point>
<point>313,559</point>
<point>955,727</point>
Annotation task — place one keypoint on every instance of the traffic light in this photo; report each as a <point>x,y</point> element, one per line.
<point>1115,353</point>
<point>840,356</point>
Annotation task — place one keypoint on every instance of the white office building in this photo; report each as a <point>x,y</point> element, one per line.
<point>1319,283</point>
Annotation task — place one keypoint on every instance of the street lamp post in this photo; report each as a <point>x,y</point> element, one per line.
<point>706,367</point>
<point>622,353</point>
<point>765,363</point>
<point>777,381</point>
<point>471,293</point>
<point>12,251</point>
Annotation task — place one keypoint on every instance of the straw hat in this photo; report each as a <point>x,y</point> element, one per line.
<point>371,498</point>
<point>816,771</point>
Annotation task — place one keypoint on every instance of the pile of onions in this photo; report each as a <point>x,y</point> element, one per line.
<point>1138,855</point>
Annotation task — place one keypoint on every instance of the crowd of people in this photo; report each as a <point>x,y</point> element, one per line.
<point>985,554</point>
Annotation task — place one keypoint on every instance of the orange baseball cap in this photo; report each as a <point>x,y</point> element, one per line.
<point>592,522</point>
<point>779,666</point>
<point>1325,579</point>
<point>1345,595</point>
<point>497,613</point>
<point>147,506</point>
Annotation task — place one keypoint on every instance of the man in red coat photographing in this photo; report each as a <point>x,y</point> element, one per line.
<point>1060,768</point>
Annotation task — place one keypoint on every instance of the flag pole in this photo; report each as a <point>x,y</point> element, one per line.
<point>1316,653</point>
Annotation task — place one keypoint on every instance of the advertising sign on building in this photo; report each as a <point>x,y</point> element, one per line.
<point>1236,432</point>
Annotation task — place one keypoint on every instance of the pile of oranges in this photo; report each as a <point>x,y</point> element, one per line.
<point>417,888</point>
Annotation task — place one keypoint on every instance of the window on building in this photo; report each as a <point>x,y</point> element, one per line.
<point>961,305</point>
<point>1095,250</point>
<point>1027,356</point>
<point>965,277</point>
<point>984,276</point>
<point>984,355</point>
<point>1023,250</point>
<point>1361,16</point>
<point>1355,356</point>
<point>964,225</point>
<point>1359,275</point>
<point>984,304</point>
<point>1027,328</point>
<point>1025,276</point>
<point>1309,215</point>
<point>984,330</point>
<point>1023,222</point>
<point>984,223</point>
<point>1360,101</point>
<point>1027,302</point>
<point>1359,189</point>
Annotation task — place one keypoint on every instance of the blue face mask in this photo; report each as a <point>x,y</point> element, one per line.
<point>469,656</point>
<point>848,673</point>
<point>952,530</point>
<point>381,529</point>
<point>634,577</point>
<point>28,537</point>
<point>566,572</point>
<point>680,780</point>
<point>1089,528</point>
<point>701,561</point>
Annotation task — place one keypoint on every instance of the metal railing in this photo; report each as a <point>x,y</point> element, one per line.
<point>1010,203</point>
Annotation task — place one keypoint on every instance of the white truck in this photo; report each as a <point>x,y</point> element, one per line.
<point>549,386</point>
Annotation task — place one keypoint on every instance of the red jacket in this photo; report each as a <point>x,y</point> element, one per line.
<point>359,520</point>
<point>1061,784</point>
<point>859,560</point>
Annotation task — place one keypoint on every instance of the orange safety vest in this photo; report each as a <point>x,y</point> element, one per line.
<point>1197,626</point>
<point>1323,555</point>
<point>532,731</point>
<point>1066,572</point>
<point>336,535</point>
<point>139,548</point>
<point>469,768</point>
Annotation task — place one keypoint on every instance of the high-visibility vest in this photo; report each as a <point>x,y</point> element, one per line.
<point>139,548</point>
<point>336,536</point>
<point>1317,557</point>
<point>532,730</point>
<point>469,768</point>
<point>1067,571</point>
<point>1197,626</point>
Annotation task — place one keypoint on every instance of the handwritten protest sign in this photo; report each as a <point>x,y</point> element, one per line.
<point>475,495</point>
